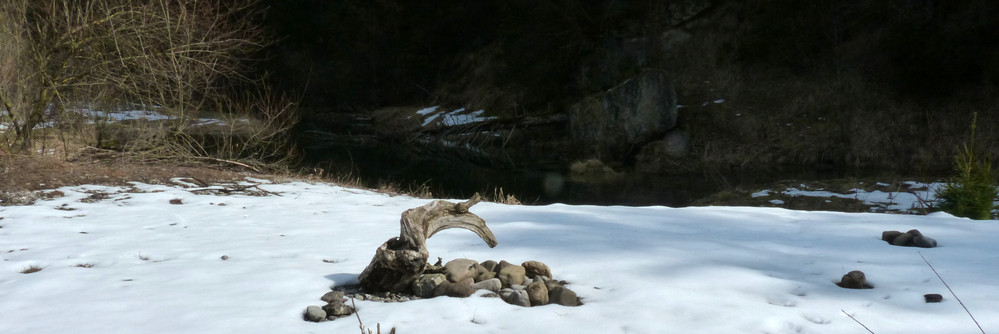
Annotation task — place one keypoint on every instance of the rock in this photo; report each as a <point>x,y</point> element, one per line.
<point>552,284</point>
<point>512,274</point>
<point>660,156</point>
<point>854,280</point>
<point>563,296</point>
<point>518,287</point>
<point>492,284</point>
<point>536,268</point>
<point>424,286</point>
<point>631,114</point>
<point>933,298</point>
<point>490,265</point>
<point>499,266</point>
<point>540,278</point>
<point>924,241</point>
<point>914,232</point>
<point>537,293</point>
<point>332,296</point>
<point>904,239</point>
<point>889,236</point>
<point>515,297</point>
<point>337,309</point>
<point>314,313</point>
<point>485,276</point>
<point>454,290</point>
<point>458,270</point>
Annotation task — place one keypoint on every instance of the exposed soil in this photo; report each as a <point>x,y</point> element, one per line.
<point>22,177</point>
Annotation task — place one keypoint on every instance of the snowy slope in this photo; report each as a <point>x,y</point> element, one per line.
<point>156,267</point>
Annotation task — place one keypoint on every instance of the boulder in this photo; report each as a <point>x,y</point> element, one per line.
<point>537,293</point>
<point>515,297</point>
<point>451,289</point>
<point>425,286</point>
<point>458,270</point>
<point>563,296</point>
<point>492,284</point>
<point>314,313</point>
<point>512,274</point>
<point>536,268</point>
<point>633,113</point>
<point>854,280</point>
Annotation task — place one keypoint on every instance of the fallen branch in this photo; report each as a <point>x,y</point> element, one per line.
<point>858,321</point>
<point>237,163</point>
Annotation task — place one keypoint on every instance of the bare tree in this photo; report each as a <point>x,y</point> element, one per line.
<point>173,55</point>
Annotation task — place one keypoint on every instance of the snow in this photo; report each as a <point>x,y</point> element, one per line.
<point>452,118</point>
<point>911,200</point>
<point>156,267</point>
<point>149,115</point>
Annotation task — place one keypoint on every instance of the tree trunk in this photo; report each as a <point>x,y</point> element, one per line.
<point>401,260</point>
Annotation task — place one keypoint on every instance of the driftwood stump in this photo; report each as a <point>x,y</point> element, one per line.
<point>401,260</point>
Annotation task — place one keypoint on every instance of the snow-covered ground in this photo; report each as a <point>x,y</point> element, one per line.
<point>125,260</point>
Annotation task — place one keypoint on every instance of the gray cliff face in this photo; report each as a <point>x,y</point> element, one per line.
<point>623,118</point>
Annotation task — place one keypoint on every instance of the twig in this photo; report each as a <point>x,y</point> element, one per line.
<point>858,321</point>
<point>358,314</point>
<point>952,292</point>
<point>237,163</point>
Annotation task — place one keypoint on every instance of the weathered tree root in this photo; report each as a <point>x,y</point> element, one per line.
<point>401,260</point>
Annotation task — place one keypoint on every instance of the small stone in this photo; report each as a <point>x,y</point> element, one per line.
<point>904,239</point>
<point>924,241</point>
<point>563,296</point>
<point>540,278</point>
<point>535,268</point>
<point>338,309</point>
<point>914,232</point>
<point>933,298</point>
<point>889,236</point>
<point>490,265</point>
<point>492,284</point>
<point>537,292</point>
<point>499,266</point>
<point>854,280</point>
<point>424,286</point>
<point>314,313</point>
<point>458,270</point>
<point>176,201</point>
<point>454,290</point>
<point>490,295</point>
<point>515,297</point>
<point>332,296</point>
<point>512,274</point>
<point>485,276</point>
<point>225,257</point>
<point>551,284</point>
<point>518,287</point>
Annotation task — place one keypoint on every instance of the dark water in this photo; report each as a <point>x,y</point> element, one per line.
<point>446,176</point>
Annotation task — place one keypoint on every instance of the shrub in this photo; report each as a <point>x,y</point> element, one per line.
<point>970,193</point>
